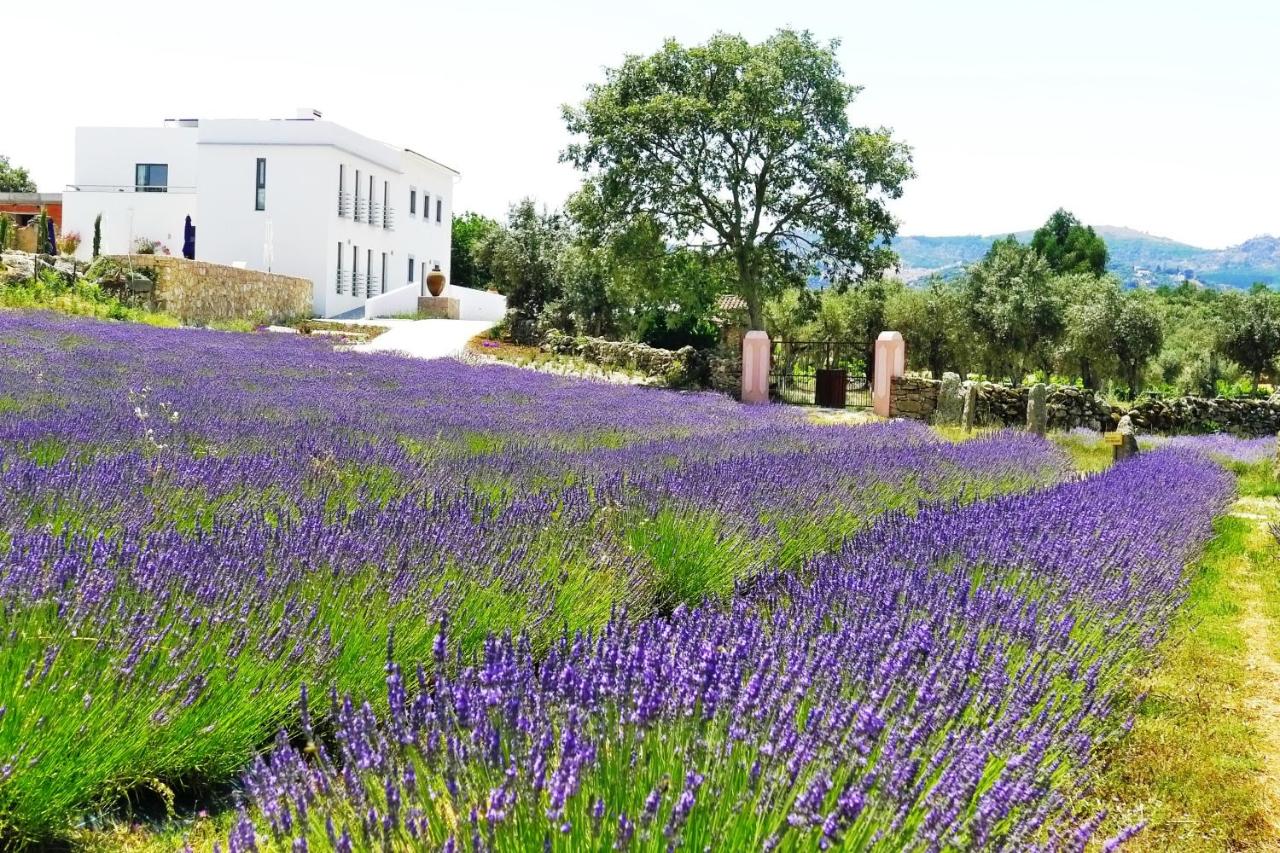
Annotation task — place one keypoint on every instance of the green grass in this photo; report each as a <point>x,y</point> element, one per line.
<point>1194,766</point>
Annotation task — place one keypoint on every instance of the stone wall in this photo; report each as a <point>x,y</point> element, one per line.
<point>1202,414</point>
<point>678,368</point>
<point>912,397</point>
<point>1002,405</point>
<point>200,292</point>
<point>1071,408</point>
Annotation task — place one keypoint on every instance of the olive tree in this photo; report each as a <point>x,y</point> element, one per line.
<point>745,151</point>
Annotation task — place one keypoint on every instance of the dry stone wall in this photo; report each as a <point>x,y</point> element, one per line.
<point>1068,407</point>
<point>201,292</point>
<point>995,405</point>
<point>1203,414</point>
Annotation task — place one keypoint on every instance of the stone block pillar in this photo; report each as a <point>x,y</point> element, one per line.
<point>950,401</point>
<point>969,415</point>
<point>890,361</point>
<point>755,367</point>
<point>1038,409</point>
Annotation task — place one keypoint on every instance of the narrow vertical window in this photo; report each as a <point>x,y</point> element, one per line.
<point>371,199</point>
<point>355,269</point>
<point>411,269</point>
<point>368,272</point>
<point>413,202</point>
<point>386,212</point>
<point>439,210</point>
<point>260,185</point>
<point>356,215</point>
<point>339,266</point>
<point>426,205</point>
<point>384,272</point>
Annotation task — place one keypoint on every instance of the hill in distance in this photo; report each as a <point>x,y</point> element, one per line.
<point>1136,257</point>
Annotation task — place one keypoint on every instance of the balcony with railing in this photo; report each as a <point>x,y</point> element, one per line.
<point>344,204</point>
<point>359,283</point>
<point>371,287</point>
<point>388,217</point>
<point>343,281</point>
<point>375,213</point>
<point>362,209</point>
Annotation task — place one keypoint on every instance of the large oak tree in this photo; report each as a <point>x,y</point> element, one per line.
<point>745,151</point>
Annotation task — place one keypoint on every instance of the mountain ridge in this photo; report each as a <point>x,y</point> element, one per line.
<point>1136,257</point>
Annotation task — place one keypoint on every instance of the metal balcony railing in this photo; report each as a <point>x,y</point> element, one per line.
<point>375,213</point>
<point>343,280</point>
<point>358,283</point>
<point>371,288</point>
<point>344,203</point>
<point>389,217</point>
<point>126,188</point>
<point>362,209</point>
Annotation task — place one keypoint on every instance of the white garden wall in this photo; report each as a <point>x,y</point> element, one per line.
<point>402,300</point>
<point>477,304</point>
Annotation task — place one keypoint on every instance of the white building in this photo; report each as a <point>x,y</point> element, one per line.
<point>301,196</point>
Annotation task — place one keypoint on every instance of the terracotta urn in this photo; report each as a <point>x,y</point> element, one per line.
<point>435,281</point>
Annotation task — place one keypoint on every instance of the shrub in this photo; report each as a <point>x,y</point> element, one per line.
<point>97,235</point>
<point>69,242</point>
<point>145,246</point>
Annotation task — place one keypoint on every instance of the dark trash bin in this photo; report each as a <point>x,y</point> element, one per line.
<point>829,388</point>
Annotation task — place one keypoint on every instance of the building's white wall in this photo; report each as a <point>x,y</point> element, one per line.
<point>219,158</point>
<point>127,217</point>
<point>298,205</point>
<point>106,157</point>
<point>421,234</point>
<point>477,304</point>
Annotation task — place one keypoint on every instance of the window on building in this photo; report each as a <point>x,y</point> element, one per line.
<point>151,177</point>
<point>384,272</point>
<point>368,271</point>
<point>439,210</point>
<point>386,211</point>
<point>342,187</point>
<point>371,199</point>
<point>411,269</point>
<point>413,202</point>
<point>260,185</point>
<point>356,215</point>
<point>426,205</point>
<point>339,266</point>
<point>355,270</point>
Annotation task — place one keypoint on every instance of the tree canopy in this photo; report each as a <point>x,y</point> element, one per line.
<point>468,231</point>
<point>1067,246</point>
<point>746,152</point>
<point>14,179</point>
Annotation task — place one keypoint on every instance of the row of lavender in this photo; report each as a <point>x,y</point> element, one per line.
<point>194,524</point>
<point>943,681</point>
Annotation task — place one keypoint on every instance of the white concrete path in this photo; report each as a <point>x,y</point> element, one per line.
<point>422,338</point>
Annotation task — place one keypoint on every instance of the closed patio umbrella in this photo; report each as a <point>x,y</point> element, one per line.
<point>189,240</point>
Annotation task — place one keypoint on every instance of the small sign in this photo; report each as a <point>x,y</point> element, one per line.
<point>1114,439</point>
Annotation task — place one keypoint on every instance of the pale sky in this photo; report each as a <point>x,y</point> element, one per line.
<point>1161,116</point>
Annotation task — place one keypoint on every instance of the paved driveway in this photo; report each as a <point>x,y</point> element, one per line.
<point>423,338</point>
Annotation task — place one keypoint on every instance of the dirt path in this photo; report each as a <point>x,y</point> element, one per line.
<point>1262,649</point>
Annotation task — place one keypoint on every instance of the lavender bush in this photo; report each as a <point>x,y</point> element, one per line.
<point>1221,446</point>
<point>193,525</point>
<point>940,682</point>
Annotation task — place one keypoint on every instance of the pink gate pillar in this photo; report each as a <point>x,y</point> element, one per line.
<point>755,367</point>
<point>891,361</point>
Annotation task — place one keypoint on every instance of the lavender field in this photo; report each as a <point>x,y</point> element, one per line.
<point>362,602</point>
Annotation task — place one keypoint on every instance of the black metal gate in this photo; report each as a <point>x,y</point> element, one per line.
<point>794,371</point>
